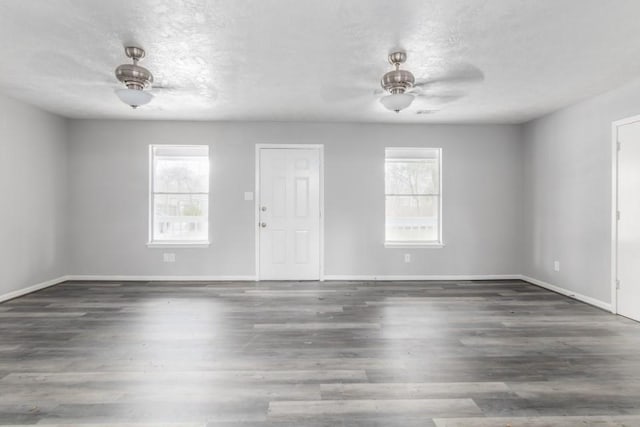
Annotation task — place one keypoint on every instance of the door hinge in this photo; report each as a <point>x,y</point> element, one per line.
<point>618,145</point>
<point>618,215</point>
<point>617,283</point>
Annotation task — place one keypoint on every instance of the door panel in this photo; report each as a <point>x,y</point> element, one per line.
<point>629,223</point>
<point>302,197</point>
<point>301,249</point>
<point>279,196</point>
<point>289,206</point>
<point>278,246</point>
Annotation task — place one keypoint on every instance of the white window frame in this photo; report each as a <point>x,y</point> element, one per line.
<point>166,243</point>
<point>435,244</point>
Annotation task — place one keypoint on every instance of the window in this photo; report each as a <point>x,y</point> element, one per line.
<point>179,194</point>
<point>412,197</point>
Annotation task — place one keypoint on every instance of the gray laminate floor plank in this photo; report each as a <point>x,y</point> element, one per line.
<point>427,407</point>
<point>347,353</point>
<point>587,421</point>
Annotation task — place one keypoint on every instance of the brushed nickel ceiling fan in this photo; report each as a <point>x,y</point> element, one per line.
<point>397,83</point>
<point>438,81</point>
<point>401,88</point>
<point>136,79</point>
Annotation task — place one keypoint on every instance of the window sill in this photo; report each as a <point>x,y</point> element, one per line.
<point>177,245</point>
<point>417,245</point>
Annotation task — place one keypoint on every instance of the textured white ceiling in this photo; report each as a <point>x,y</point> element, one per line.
<point>317,60</point>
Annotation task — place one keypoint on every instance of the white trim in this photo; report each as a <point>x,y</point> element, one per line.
<point>614,217</point>
<point>320,148</point>
<point>321,179</point>
<point>256,208</point>
<point>409,245</point>
<point>150,195</point>
<point>583,298</point>
<point>440,199</point>
<point>178,245</point>
<point>626,121</point>
<point>392,244</point>
<point>614,207</point>
<point>150,207</point>
<point>425,277</point>
<point>143,278</point>
<point>24,291</point>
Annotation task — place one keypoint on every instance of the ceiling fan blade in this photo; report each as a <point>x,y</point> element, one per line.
<point>458,76</point>
<point>427,111</point>
<point>344,94</point>
<point>168,89</point>
<point>439,99</point>
<point>163,88</point>
<point>416,90</point>
<point>70,69</point>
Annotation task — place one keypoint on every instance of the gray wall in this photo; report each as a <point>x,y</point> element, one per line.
<point>482,193</point>
<point>33,191</point>
<point>568,188</point>
<point>516,198</point>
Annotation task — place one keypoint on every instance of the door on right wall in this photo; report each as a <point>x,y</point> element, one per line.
<point>628,239</point>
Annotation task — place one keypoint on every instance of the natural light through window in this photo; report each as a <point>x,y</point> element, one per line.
<point>413,197</point>
<point>179,201</point>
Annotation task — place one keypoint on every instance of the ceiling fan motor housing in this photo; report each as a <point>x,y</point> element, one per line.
<point>133,75</point>
<point>397,81</point>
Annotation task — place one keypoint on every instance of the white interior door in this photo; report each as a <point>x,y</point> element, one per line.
<point>629,220</point>
<point>289,214</point>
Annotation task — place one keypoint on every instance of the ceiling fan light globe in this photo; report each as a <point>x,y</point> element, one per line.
<point>397,101</point>
<point>134,97</point>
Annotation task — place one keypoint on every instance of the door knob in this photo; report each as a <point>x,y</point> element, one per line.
<point>263,209</point>
<point>263,224</point>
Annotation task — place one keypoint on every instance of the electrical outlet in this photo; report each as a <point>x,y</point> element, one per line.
<point>407,258</point>
<point>556,265</point>
<point>169,257</point>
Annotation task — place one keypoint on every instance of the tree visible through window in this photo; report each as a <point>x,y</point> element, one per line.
<point>412,195</point>
<point>179,194</point>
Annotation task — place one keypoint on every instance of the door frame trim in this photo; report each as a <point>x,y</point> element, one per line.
<point>614,207</point>
<point>256,199</point>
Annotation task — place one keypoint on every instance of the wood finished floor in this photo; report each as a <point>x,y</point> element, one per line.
<point>454,354</point>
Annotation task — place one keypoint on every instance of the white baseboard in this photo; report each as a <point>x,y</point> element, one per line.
<point>425,277</point>
<point>337,277</point>
<point>141,278</point>
<point>591,301</point>
<point>37,287</point>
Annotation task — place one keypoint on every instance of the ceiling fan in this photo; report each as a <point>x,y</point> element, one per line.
<point>402,89</point>
<point>136,79</point>
<point>141,85</point>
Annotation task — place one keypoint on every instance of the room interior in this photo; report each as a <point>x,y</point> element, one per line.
<point>520,309</point>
